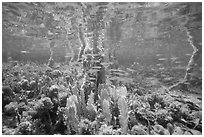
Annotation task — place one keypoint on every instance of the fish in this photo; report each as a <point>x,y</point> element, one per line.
<point>168,78</point>
<point>96,67</point>
<point>91,78</point>
<point>93,70</point>
<point>125,79</point>
<point>131,70</point>
<point>114,78</point>
<point>24,51</point>
<point>179,67</point>
<point>75,64</point>
<point>158,55</point>
<point>159,64</point>
<point>93,55</point>
<point>174,58</point>
<point>161,59</point>
<point>120,74</point>
<point>105,64</point>
<point>178,62</point>
<point>117,70</point>
<point>67,56</point>
<point>188,54</point>
<point>161,68</point>
<point>95,61</point>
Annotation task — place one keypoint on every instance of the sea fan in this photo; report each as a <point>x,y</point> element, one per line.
<point>92,109</point>
<point>123,108</point>
<point>71,113</point>
<point>113,93</point>
<point>90,103</point>
<point>106,111</point>
<point>122,91</point>
<point>104,95</point>
<point>72,101</point>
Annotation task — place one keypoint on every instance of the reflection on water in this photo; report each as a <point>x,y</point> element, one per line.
<point>176,27</point>
<point>147,33</point>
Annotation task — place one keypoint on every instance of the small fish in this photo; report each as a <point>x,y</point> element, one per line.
<point>116,70</point>
<point>174,58</point>
<point>161,59</point>
<point>67,56</point>
<point>158,55</point>
<point>131,70</point>
<point>125,79</point>
<point>92,78</point>
<point>92,71</point>
<point>93,54</point>
<point>178,62</point>
<point>161,68</point>
<point>23,51</point>
<point>168,78</point>
<point>188,54</point>
<point>159,64</point>
<point>95,61</point>
<point>163,75</point>
<point>153,69</point>
<point>120,74</point>
<point>114,78</point>
<point>96,67</point>
<point>75,64</point>
<point>106,64</point>
<point>179,67</point>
